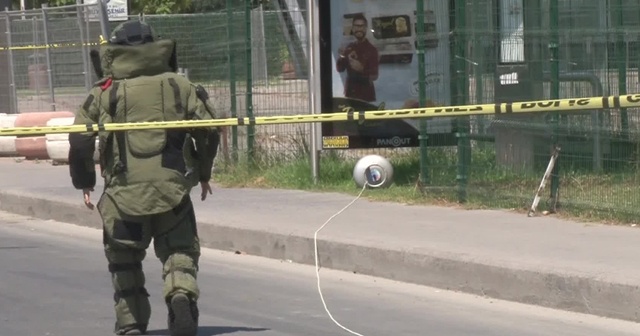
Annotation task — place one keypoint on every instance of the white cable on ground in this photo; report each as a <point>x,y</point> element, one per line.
<point>315,243</point>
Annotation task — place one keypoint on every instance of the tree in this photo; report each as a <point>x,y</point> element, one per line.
<point>29,4</point>
<point>201,6</point>
<point>156,6</point>
<point>35,4</point>
<point>135,6</point>
<point>160,6</point>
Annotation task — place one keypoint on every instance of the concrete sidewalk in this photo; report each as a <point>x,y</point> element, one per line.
<point>543,261</point>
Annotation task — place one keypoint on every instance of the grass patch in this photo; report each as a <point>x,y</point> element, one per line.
<point>606,197</point>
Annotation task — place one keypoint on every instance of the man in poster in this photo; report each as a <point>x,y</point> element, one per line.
<point>381,38</point>
<point>360,60</point>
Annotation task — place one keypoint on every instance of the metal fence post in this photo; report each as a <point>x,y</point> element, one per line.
<point>232,81</point>
<point>259,70</point>
<point>462,89</point>
<point>249,87</point>
<point>36,53</point>
<point>621,57</point>
<point>313,82</point>
<point>14,91</point>
<point>85,54</point>
<point>45,24</point>
<point>104,18</point>
<point>423,137</point>
<point>478,57</point>
<point>555,91</point>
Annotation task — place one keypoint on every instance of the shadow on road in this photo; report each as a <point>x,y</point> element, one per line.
<point>210,330</point>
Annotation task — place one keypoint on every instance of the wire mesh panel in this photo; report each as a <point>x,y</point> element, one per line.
<point>286,92</point>
<point>545,49</point>
<point>252,58</point>
<point>253,63</point>
<point>48,56</point>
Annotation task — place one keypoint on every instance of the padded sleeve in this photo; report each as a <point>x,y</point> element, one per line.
<point>82,145</point>
<point>207,139</point>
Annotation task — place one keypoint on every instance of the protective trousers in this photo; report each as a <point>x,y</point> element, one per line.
<point>126,239</point>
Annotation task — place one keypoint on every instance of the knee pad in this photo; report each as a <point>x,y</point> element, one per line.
<point>179,275</point>
<point>130,295</point>
<point>181,263</point>
<point>128,281</point>
<point>126,275</point>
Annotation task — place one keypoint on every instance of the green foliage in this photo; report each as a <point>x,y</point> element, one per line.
<point>203,6</point>
<point>30,4</point>
<point>206,40</point>
<point>158,6</point>
<point>55,3</point>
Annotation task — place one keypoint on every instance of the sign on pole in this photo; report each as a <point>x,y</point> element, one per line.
<point>117,10</point>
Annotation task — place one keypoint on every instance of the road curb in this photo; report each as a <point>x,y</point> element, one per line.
<point>559,291</point>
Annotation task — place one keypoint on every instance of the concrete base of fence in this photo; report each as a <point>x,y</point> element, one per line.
<point>8,143</point>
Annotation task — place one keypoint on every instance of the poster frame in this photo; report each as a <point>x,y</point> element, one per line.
<point>328,139</point>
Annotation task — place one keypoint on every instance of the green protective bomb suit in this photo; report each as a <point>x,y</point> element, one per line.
<point>148,174</point>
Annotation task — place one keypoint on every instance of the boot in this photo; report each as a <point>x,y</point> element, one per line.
<point>183,316</point>
<point>131,330</point>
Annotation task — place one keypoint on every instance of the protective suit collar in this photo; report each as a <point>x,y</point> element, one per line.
<point>121,62</point>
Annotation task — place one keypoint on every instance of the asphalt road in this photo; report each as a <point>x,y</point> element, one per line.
<point>54,282</point>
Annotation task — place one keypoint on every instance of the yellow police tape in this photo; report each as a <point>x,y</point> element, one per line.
<point>55,45</point>
<point>559,105</point>
<point>49,46</point>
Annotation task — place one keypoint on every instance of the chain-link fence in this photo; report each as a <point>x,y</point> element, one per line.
<point>45,56</point>
<point>253,62</point>
<point>515,50</point>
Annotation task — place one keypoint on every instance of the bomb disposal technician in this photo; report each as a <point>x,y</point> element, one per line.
<point>148,174</point>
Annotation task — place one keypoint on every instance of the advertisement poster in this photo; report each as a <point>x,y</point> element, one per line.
<point>375,67</point>
<point>117,10</point>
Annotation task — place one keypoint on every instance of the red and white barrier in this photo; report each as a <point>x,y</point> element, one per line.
<point>42,147</point>
<point>8,143</point>
<point>57,145</point>
<point>35,147</point>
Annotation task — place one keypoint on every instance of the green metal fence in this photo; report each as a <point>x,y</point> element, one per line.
<point>252,60</point>
<point>547,49</point>
<point>244,56</point>
<point>40,78</point>
<point>502,51</point>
